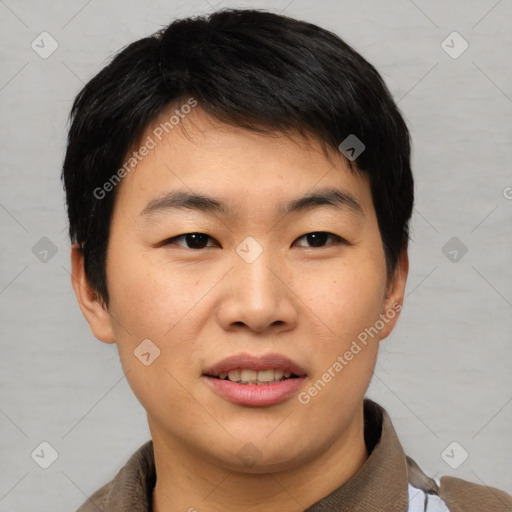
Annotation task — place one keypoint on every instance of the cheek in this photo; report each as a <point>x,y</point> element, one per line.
<point>346,299</point>
<point>150,297</point>
<point>154,302</point>
<point>347,305</point>
<point>149,302</point>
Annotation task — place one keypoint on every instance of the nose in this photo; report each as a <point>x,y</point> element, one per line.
<point>258,295</point>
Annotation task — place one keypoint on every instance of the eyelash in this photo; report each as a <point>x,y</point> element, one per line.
<point>338,239</point>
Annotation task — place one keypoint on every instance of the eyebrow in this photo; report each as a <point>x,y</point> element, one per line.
<point>183,200</point>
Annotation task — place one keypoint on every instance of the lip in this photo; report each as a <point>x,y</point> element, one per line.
<point>256,363</point>
<point>255,395</point>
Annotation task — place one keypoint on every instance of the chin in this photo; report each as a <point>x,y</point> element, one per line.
<point>266,462</point>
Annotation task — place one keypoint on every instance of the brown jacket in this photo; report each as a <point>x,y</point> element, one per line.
<point>389,481</point>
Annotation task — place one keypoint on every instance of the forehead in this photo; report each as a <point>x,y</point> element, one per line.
<point>213,165</point>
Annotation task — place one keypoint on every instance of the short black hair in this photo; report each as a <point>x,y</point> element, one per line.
<point>248,68</point>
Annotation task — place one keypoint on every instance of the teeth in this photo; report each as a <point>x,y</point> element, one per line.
<point>262,376</point>
<point>251,376</point>
<point>234,375</point>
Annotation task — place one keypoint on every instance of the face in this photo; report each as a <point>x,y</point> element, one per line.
<point>255,278</point>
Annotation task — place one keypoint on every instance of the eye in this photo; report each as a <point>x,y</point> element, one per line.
<point>197,241</point>
<point>193,240</point>
<point>318,238</point>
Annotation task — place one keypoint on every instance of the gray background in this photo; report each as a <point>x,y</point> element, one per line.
<point>445,373</point>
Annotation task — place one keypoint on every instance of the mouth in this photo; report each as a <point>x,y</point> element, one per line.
<point>255,380</point>
<point>260,378</point>
<point>251,369</point>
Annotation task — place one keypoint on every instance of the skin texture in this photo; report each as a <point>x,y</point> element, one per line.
<point>199,306</point>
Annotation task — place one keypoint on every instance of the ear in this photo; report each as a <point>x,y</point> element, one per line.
<point>92,307</point>
<point>395,292</point>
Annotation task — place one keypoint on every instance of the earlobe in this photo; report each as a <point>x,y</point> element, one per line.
<point>395,294</point>
<point>93,309</point>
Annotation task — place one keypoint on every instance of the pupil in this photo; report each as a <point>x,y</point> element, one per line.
<point>197,240</point>
<point>317,239</point>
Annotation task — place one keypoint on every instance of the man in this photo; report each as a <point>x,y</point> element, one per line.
<point>239,192</point>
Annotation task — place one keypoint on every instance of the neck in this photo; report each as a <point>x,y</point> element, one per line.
<point>188,482</point>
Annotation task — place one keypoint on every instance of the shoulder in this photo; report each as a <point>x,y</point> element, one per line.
<point>97,501</point>
<point>464,496</point>
<point>130,490</point>
<point>450,494</point>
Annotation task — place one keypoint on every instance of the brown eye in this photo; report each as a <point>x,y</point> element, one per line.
<point>192,240</point>
<point>319,238</point>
